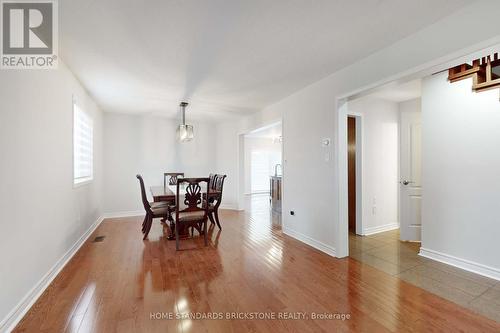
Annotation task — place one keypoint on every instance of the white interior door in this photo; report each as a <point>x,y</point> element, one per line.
<point>411,171</point>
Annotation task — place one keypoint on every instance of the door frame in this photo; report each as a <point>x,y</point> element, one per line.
<point>434,66</point>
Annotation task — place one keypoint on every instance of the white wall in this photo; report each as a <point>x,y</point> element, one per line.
<point>227,161</point>
<point>42,216</point>
<point>380,162</point>
<point>267,145</point>
<point>311,184</point>
<point>461,163</point>
<point>147,145</point>
<point>413,105</point>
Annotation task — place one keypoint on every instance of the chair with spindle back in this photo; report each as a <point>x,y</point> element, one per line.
<point>215,199</point>
<point>211,182</point>
<point>172,178</point>
<point>153,209</point>
<point>190,212</point>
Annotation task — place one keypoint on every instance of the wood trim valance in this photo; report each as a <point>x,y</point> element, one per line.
<point>481,71</point>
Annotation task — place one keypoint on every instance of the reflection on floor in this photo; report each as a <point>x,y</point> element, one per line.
<point>249,268</point>
<point>385,252</point>
<point>259,209</point>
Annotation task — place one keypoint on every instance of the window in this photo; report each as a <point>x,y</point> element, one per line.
<point>262,166</point>
<point>83,147</point>
<point>259,171</point>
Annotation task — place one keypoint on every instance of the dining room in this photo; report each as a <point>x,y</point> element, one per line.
<point>144,156</point>
<point>178,166</point>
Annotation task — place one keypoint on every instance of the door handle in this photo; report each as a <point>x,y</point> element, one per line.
<point>406,182</point>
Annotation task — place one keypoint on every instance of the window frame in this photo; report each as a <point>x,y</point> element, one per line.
<point>78,182</point>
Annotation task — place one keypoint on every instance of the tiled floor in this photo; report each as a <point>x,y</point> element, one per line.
<point>385,252</point>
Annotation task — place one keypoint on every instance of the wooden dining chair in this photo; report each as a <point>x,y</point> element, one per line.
<point>215,199</point>
<point>190,212</point>
<point>211,181</point>
<point>172,178</point>
<point>153,209</point>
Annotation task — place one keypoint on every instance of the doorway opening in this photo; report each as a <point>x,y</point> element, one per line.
<point>436,68</point>
<point>391,164</point>
<point>448,107</point>
<point>383,139</point>
<point>261,170</point>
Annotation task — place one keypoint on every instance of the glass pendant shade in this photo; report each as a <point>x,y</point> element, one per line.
<point>185,133</point>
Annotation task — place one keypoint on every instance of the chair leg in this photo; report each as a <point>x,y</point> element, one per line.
<point>172,229</point>
<point>149,222</point>
<point>205,232</point>
<point>144,223</point>
<point>216,213</point>
<point>199,227</point>
<point>177,236</point>
<point>211,217</point>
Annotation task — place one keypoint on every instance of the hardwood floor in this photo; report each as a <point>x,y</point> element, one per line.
<point>124,284</point>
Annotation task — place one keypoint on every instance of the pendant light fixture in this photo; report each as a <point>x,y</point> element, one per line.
<point>185,132</point>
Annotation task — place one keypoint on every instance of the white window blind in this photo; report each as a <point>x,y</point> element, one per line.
<point>83,149</point>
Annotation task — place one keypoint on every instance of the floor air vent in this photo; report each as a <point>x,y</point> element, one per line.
<point>98,239</point>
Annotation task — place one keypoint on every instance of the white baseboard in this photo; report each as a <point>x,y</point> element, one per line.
<point>258,192</point>
<point>310,241</point>
<point>464,264</point>
<point>229,207</point>
<point>128,213</point>
<point>381,228</point>
<point>12,319</point>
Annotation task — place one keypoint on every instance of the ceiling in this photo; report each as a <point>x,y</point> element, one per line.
<point>399,92</point>
<point>268,132</point>
<point>226,57</point>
